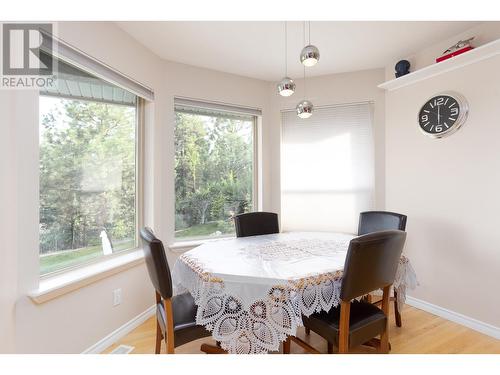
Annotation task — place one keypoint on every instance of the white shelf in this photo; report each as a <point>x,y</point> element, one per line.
<point>477,54</point>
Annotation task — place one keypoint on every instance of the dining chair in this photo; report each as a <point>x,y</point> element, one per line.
<point>371,264</point>
<point>256,223</point>
<point>175,315</point>
<point>374,221</point>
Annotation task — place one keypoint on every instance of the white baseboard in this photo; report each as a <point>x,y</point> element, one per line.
<point>453,316</point>
<point>117,334</point>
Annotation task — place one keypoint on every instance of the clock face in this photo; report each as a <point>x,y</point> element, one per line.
<point>442,115</point>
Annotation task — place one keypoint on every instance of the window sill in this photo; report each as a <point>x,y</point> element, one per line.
<point>58,285</point>
<point>183,246</point>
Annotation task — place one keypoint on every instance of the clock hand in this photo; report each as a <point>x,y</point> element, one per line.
<point>438,114</point>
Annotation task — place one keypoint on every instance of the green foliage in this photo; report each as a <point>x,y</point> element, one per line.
<point>87,173</point>
<point>213,173</point>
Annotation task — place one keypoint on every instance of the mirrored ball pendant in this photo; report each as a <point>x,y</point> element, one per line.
<point>304,109</point>
<point>286,87</point>
<point>309,55</point>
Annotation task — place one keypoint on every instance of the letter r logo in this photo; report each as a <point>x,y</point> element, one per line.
<point>22,46</point>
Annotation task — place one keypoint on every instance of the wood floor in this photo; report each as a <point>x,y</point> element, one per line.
<point>422,333</point>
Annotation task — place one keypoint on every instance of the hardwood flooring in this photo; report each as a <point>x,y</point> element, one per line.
<point>421,333</point>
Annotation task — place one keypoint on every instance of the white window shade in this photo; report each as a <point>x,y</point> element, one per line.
<point>79,60</point>
<point>327,168</point>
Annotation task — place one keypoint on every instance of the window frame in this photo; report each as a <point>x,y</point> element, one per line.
<point>139,193</point>
<point>256,120</point>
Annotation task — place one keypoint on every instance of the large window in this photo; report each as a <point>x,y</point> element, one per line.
<point>327,167</point>
<point>88,169</point>
<point>214,170</point>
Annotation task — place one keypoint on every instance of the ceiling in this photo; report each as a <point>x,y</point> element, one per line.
<point>257,48</point>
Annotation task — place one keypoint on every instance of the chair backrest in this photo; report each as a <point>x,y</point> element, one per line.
<point>156,261</point>
<point>371,263</point>
<point>375,221</point>
<point>256,223</point>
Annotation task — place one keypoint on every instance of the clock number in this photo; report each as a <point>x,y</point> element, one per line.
<point>454,111</point>
<point>439,101</point>
<point>439,128</point>
<point>425,118</point>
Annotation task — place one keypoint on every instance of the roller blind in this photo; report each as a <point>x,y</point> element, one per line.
<point>74,83</point>
<point>215,109</point>
<point>327,168</point>
<point>76,65</point>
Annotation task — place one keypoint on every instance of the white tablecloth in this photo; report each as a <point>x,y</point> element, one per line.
<point>251,292</point>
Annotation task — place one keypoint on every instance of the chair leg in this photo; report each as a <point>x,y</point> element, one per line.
<point>397,313</point>
<point>330,348</point>
<point>308,331</point>
<point>169,334</point>
<point>286,346</point>
<point>345,311</point>
<point>159,337</point>
<point>384,337</point>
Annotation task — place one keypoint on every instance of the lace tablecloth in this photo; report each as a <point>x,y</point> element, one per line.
<point>251,292</point>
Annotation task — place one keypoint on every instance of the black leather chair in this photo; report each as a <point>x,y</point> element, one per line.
<point>175,315</point>
<point>374,221</point>
<point>371,264</point>
<point>256,223</point>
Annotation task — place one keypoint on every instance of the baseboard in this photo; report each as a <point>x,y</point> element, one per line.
<point>453,316</point>
<point>117,334</point>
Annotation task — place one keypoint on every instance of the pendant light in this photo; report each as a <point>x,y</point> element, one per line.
<point>305,107</point>
<point>310,54</point>
<point>286,87</point>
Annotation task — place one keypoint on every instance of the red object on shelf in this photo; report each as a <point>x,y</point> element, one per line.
<point>454,53</point>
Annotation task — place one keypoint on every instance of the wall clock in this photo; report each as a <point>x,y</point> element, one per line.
<point>443,114</point>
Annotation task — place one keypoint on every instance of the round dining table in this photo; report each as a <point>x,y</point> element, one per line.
<point>251,292</point>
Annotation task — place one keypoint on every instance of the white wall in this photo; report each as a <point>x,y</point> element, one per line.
<point>329,90</point>
<point>75,321</point>
<point>8,218</point>
<point>449,188</point>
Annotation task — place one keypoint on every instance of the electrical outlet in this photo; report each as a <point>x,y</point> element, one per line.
<point>117,297</point>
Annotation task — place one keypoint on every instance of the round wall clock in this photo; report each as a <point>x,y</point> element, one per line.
<point>443,114</point>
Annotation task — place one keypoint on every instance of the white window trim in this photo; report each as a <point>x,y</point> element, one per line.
<point>76,278</point>
<point>180,247</point>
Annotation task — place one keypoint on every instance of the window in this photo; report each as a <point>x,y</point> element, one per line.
<point>88,137</point>
<point>214,168</point>
<point>327,168</point>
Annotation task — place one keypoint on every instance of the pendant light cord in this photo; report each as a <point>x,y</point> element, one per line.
<point>309,23</point>
<point>304,42</point>
<point>286,52</point>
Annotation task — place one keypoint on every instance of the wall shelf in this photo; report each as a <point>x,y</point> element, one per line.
<point>483,52</point>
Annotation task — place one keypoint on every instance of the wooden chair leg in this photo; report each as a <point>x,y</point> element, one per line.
<point>330,348</point>
<point>159,337</point>
<point>212,349</point>
<point>345,310</point>
<point>169,334</point>
<point>308,331</point>
<point>397,313</point>
<point>286,346</point>
<point>384,337</point>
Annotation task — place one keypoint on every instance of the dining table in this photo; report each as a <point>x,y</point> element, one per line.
<point>251,292</point>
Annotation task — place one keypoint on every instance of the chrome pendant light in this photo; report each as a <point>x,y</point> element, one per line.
<point>286,87</point>
<point>305,107</point>
<point>310,54</point>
